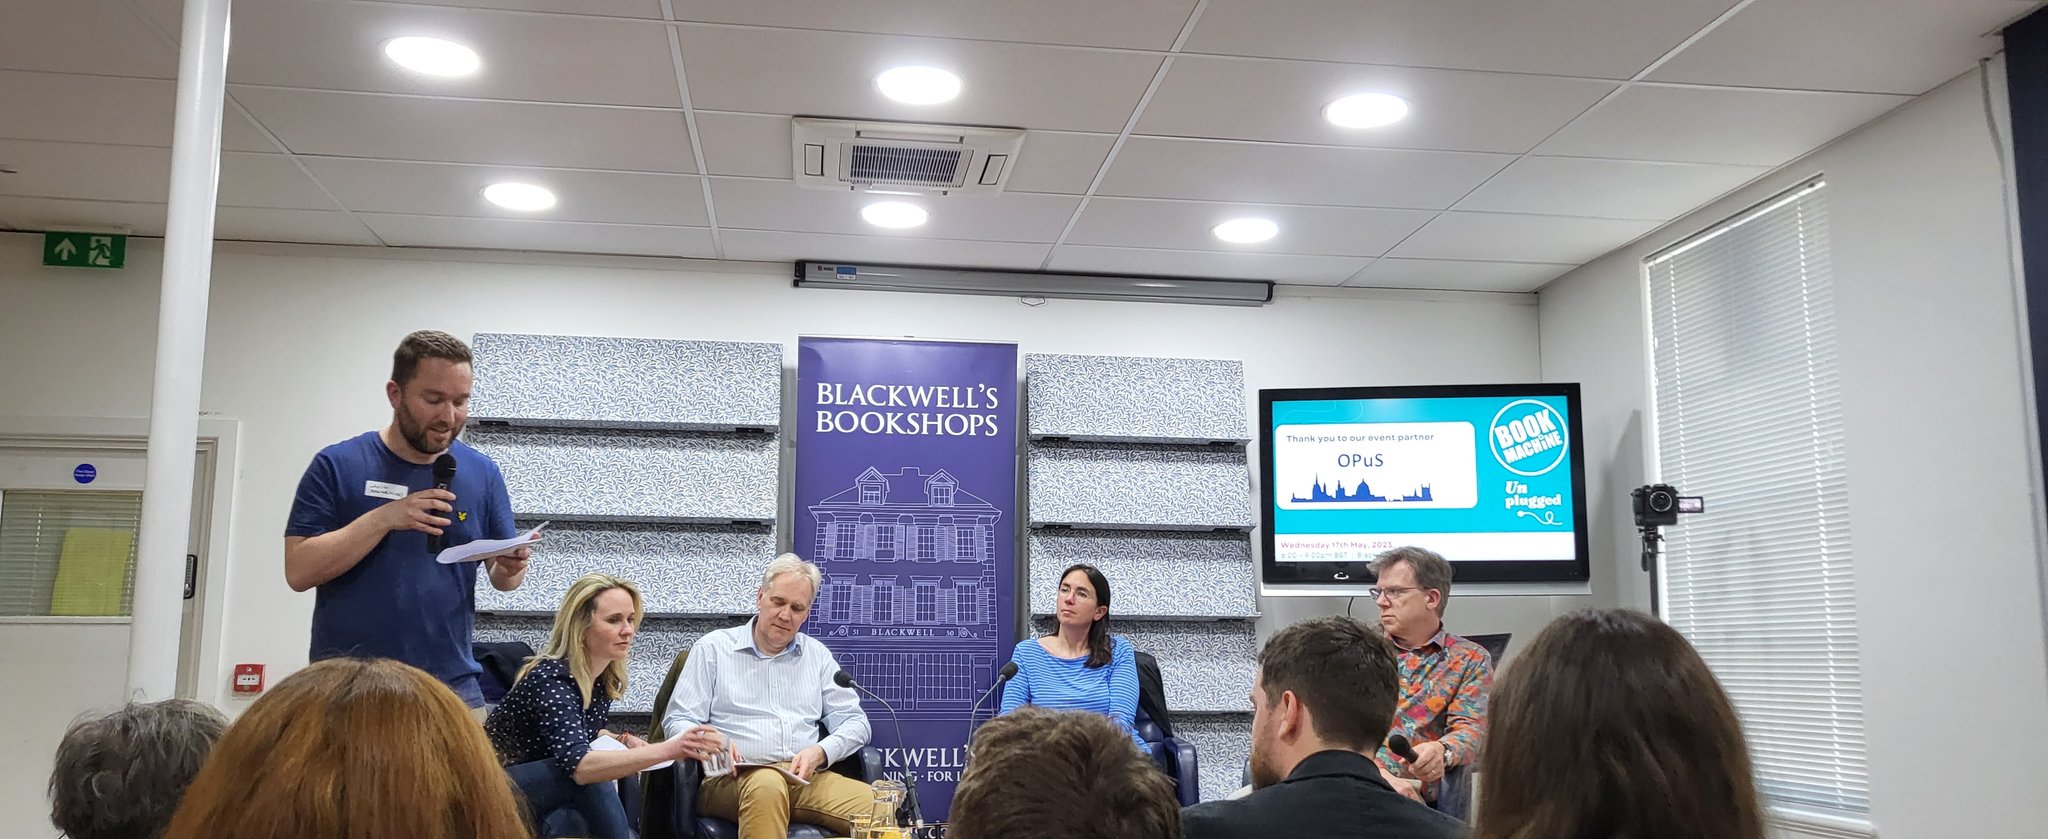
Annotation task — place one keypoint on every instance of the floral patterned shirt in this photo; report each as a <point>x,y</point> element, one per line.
<point>1444,684</point>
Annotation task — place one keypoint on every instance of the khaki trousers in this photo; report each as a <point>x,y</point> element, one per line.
<point>764,802</point>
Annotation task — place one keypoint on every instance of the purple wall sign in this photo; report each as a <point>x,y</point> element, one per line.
<point>906,495</point>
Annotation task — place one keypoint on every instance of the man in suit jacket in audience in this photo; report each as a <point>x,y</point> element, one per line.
<point>1325,696</point>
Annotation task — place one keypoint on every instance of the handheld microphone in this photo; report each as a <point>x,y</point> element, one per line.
<point>444,475</point>
<point>845,680</point>
<point>1003,675</point>
<point>1398,744</point>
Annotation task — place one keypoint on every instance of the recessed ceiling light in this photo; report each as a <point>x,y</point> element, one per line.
<point>432,56</point>
<point>1366,110</point>
<point>517,196</point>
<point>894,215</point>
<point>918,85</point>
<point>1246,231</point>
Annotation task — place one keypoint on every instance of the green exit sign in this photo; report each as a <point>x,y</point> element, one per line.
<point>85,250</point>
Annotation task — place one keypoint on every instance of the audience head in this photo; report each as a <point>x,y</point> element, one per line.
<point>429,389</point>
<point>1610,725</point>
<point>593,633</point>
<point>1326,683</point>
<point>352,748</point>
<point>1414,584</point>
<point>120,775</point>
<point>789,586</point>
<point>1068,774</point>
<point>1083,600</point>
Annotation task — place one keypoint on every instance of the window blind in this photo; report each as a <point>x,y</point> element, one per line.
<point>1748,414</point>
<point>68,553</point>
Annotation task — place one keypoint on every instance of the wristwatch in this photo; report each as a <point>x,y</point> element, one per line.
<point>1447,757</point>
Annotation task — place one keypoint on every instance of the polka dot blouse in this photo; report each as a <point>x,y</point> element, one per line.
<point>543,718</point>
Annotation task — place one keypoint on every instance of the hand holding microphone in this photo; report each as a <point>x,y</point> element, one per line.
<point>444,476</point>
<point>1425,761</point>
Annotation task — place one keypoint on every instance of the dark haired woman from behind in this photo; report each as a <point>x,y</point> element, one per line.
<point>1610,726</point>
<point>1080,666</point>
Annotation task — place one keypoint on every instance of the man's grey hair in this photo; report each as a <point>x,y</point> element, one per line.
<point>1429,567</point>
<point>120,775</point>
<point>793,564</point>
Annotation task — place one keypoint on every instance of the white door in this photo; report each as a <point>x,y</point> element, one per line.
<point>68,519</point>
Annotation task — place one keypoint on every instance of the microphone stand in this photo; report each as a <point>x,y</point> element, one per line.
<point>909,774</point>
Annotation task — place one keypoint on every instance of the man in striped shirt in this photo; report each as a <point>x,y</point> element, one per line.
<point>768,688</point>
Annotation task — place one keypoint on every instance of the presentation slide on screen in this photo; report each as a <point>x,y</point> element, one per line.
<point>1473,478</point>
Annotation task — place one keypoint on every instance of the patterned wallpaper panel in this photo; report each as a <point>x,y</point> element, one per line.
<point>1223,742</point>
<point>656,646</point>
<point>1106,397</point>
<point>1151,573</point>
<point>1143,487</point>
<point>567,381</point>
<point>680,569</point>
<point>1207,666</point>
<point>635,475</point>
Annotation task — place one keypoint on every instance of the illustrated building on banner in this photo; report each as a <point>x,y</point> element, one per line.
<point>909,562</point>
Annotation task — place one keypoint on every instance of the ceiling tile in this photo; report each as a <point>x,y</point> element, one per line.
<point>91,172</point>
<point>1252,99</point>
<point>601,8</point>
<point>68,214</point>
<point>1505,237</point>
<point>104,109</point>
<point>538,235</point>
<point>1611,39</point>
<point>1875,46</point>
<point>1703,125</point>
<point>1178,225</point>
<point>1458,274</point>
<point>443,189</point>
<point>508,133</point>
<point>1148,25</point>
<point>544,58</point>
<point>1057,162</point>
<point>267,180</point>
<point>782,205</point>
<point>779,246</point>
<point>831,74</point>
<point>100,37</point>
<point>1276,174</point>
<point>1276,267</point>
<point>1579,186</point>
<point>245,224</point>
<point>749,145</point>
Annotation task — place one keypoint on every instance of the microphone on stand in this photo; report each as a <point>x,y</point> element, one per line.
<point>444,475</point>
<point>845,680</point>
<point>1002,676</point>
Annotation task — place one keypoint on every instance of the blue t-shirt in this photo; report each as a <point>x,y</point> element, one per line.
<point>1069,684</point>
<point>398,602</point>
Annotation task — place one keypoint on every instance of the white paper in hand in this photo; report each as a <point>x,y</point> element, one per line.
<point>483,549</point>
<point>608,743</point>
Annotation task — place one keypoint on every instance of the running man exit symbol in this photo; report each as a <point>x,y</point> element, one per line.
<point>85,250</point>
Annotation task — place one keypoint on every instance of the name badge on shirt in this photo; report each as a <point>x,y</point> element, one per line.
<point>380,489</point>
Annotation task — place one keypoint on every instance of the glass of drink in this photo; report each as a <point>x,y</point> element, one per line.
<point>860,826</point>
<point>888,797</point>
<point>720,761</point>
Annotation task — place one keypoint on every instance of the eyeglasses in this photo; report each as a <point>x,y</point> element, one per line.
<point>1390,592</point>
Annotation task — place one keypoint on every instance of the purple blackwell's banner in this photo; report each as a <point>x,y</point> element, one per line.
<point>906,490</point>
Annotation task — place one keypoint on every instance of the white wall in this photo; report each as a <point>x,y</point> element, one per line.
<point>299,347</point>
<point>1934,400</point>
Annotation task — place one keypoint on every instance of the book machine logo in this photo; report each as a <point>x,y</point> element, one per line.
<point>1527,437</point>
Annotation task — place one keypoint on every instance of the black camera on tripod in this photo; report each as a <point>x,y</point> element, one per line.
<point>1657,505</point>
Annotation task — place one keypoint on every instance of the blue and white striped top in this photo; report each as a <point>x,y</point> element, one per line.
<point>1068,684</point>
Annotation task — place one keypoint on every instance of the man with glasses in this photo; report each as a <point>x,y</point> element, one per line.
<point>1444,678</point>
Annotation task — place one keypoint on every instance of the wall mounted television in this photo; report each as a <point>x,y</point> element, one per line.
<point>1490,476</point>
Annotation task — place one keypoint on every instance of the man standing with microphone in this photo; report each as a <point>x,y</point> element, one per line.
<point>372,511</point>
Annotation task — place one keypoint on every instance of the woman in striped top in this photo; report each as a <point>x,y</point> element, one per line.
<point>1080,667</point>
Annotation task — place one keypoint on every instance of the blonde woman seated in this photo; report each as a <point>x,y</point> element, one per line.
<point>562,701</point>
